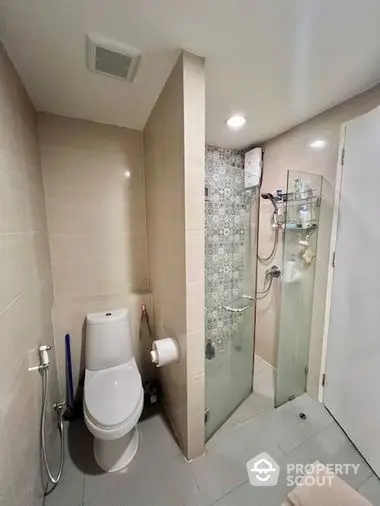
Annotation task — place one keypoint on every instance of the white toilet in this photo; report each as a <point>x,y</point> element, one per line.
<point>113,392</point>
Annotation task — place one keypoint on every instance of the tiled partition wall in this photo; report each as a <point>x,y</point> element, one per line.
<point>95,199</point>
<point>26,294</point>
<point>174,144</point>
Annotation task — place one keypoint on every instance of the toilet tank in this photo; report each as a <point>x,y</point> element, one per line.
<point>108,339</point>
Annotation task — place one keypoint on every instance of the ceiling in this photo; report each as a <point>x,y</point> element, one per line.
<point>278,62</point>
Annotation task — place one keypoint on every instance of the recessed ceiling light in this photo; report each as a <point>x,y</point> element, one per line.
<point>318,144</point>
<point>127,174</point>
<point>236,121</point>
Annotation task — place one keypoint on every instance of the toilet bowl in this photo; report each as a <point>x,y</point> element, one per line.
<point>113,392</point>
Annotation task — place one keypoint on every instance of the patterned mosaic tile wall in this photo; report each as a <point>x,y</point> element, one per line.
<point>227,226</point>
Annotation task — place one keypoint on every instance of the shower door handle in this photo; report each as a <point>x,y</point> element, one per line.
<point>240,309</point>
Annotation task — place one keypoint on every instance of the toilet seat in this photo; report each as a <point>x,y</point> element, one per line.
<point>113,400</point>
<point>118,431</point>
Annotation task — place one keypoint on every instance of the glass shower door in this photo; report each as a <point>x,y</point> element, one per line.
<point>301,224</point>
<point>231,220</point>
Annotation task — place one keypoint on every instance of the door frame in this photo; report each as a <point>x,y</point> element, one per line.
<point>333,241</point>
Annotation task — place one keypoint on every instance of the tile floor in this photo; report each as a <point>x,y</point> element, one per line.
<point>159,475</point>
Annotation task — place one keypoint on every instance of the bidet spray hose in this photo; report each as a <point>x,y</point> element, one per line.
<point>59,409</point>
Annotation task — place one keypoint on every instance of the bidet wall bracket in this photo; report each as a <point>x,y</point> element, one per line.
<point>43,357</point>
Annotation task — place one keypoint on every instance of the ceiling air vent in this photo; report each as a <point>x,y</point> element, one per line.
<point>111,58</point>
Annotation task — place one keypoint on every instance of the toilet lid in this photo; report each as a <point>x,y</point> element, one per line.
<point>112,395</point>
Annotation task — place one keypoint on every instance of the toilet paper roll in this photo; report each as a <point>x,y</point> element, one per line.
<point>164,351</point>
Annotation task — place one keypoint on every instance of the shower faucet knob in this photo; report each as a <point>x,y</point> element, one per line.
<point>274,272</point>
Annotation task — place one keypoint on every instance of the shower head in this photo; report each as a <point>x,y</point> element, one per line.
<point>269,196</point>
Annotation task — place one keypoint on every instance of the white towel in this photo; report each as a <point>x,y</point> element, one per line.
<point>334,492</point>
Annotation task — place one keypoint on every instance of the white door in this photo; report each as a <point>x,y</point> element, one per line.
<point>352,385</point>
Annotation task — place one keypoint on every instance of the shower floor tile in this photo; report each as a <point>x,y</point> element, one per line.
<point>371,490</point>
<point>254,406</point>
<point>160,476</point>
<point>263,378</point>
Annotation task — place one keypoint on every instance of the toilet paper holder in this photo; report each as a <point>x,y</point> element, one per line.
<point>164,351</point>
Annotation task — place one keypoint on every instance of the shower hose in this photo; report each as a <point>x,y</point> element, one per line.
<point>59,410</point>
<point>267,259</point>
<point>267,286</point>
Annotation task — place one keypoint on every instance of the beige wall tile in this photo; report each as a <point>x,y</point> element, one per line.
<point>7,495</point>
<point>194,145</point>
<point>174,144</point>
<point>194,256</point>
<point>40,254</point>
<point>164,165</point>
<point>194,174</point>
<point>19,331</point>
<point>25,295</point>
<point>96,224</point>
<point>194,184</point>
<point>8,134</point>
<point>194,89</point>
<point>15,249</point>
<point>195,307</point>
<point>266,325</point>
<point>13,203</point>
<point>196,408</point>
<point>94,265</point>
<point>196,353</point>
<point>194,106</point>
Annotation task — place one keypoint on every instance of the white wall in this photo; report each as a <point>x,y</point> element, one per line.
<point>291,151</point>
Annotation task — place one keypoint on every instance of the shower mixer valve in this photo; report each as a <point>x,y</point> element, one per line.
<point>273,272</point>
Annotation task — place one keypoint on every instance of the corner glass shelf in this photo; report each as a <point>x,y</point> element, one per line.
<point>301,204</point>
<point>294,226</point>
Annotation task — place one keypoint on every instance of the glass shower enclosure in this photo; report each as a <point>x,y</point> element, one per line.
<point>301,225</point>
<point>231,245</point>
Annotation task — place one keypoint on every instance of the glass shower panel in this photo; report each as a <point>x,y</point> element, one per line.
<point>231,232</point>
<point>301,226</point>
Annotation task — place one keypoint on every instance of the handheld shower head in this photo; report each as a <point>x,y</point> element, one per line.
<point>269,196</point>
